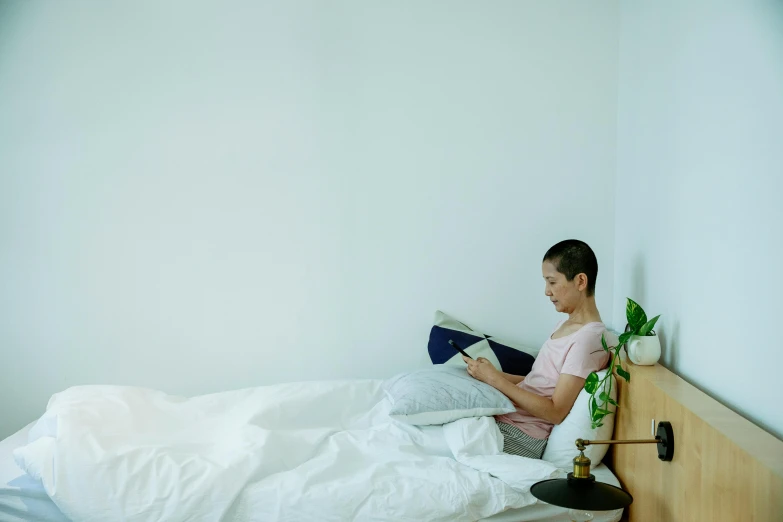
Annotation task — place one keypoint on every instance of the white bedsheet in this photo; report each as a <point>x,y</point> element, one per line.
<point>22,498</point>
<point>299,451</point>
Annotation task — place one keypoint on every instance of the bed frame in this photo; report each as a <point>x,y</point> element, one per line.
<point>725,468</point>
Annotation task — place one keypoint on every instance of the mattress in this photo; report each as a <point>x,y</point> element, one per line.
<point>23,499</point>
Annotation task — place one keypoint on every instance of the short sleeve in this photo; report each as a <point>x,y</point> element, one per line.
<point>586,355</point>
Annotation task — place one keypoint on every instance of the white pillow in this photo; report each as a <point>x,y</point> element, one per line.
<point>442,394</point>
<point>561,448</point>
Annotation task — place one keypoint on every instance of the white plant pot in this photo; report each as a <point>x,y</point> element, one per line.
<point>644,350</point>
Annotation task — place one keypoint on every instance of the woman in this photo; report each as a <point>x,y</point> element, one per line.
<point>544,396</point>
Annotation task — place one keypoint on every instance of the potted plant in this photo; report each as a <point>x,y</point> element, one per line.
<point>641,349</point>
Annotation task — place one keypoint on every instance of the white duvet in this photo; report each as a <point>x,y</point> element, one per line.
<point>311,451</point>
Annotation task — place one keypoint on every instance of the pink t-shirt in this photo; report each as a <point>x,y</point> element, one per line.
<point>577,354</point>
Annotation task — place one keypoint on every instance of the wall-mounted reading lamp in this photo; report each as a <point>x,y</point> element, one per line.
<point>582,494</point>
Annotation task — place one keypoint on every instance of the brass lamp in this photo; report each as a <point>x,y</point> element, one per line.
<point>582,494</point>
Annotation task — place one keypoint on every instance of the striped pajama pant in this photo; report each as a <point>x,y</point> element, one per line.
<point>517,442</point>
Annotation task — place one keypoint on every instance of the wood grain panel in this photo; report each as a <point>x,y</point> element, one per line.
<point>725,468</point>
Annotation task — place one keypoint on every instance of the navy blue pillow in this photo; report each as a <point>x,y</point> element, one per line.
<point>508,357</point>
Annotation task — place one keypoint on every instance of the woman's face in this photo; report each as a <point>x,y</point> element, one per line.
<point>564,294</point>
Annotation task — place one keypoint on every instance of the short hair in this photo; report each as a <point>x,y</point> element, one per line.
<point>573,257</point>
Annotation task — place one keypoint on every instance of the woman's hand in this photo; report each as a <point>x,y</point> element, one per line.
<point>482,370</point>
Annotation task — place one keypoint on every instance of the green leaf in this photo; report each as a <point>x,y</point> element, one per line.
<point>603,343</point>
<point>635,315</point>
<point>594,407</point>
<point>622,373</point>
<point>603,412</point>
<point>591,383</point>
<point>606,399</point>
<point>625,337</point>
<point>598,417</point>
<point>648,326</point>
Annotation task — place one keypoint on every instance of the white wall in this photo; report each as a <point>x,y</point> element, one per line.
<point>699,184</point>
<point>198,198</point>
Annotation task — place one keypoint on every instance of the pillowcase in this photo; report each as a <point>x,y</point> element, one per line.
<point>442,394</point>
<point>560,448</point>
<point>511,358</point>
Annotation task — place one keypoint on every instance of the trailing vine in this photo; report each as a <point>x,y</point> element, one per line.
<point>602,387</point>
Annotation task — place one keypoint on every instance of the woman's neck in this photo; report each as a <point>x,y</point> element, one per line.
<point>586,312</point>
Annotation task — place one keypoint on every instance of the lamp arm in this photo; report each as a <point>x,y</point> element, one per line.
<point>581,443</point>
<point>664,438</point>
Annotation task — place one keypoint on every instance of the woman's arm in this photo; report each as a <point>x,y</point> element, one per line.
<point>513,379</point>
<point>552,410</point>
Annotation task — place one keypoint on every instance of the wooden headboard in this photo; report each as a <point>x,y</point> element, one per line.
<point>724,467</point>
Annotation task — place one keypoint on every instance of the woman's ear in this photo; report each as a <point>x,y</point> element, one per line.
<point>581,282</point>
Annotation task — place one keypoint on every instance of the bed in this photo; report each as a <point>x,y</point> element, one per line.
<point>341,458</point>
